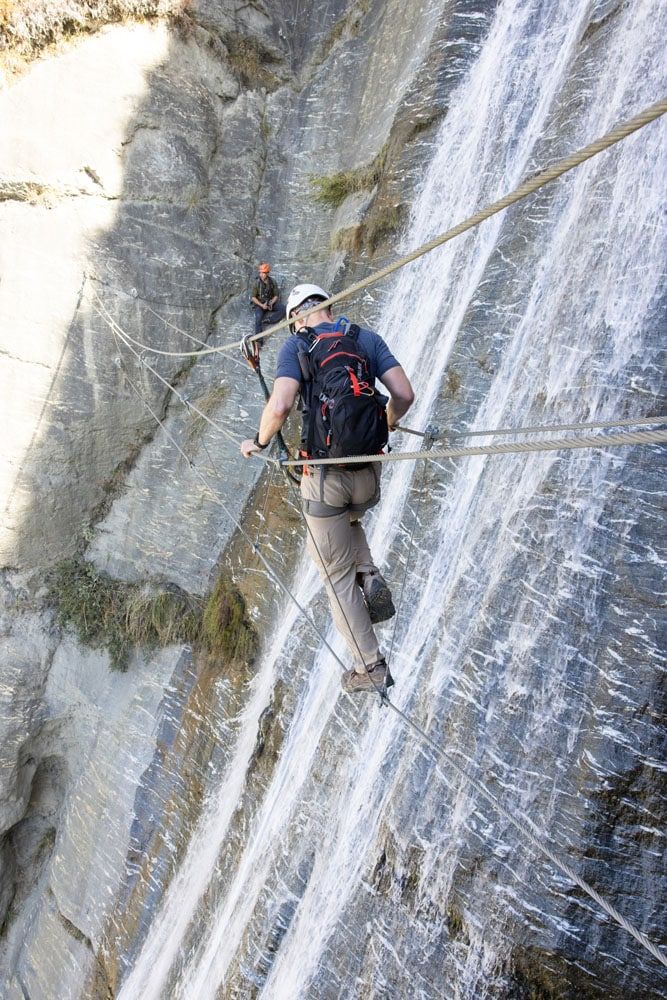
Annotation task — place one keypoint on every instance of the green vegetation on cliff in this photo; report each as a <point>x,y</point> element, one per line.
<point>334,189</point>
<point>225,630</point>
<point>117,616</point>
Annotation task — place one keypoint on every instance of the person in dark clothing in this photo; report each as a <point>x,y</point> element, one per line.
<point>265,299</point>
<point>334,504</point>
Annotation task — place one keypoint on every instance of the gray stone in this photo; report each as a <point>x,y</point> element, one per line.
<point>529,641</point>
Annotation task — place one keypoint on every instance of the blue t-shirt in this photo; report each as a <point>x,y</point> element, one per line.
<point>380,357</point>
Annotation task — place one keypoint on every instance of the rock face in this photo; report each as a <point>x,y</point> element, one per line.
<point>196,828</point>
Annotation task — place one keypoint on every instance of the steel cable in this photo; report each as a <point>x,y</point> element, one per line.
<point>528,187</point>
<point>519,448</point>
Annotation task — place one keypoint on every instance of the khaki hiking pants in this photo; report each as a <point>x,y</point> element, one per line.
<point>338,547</point>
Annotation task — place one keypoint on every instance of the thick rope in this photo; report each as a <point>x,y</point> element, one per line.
<point>520,447</point>
<point>119,333</point>
<point>528,187</point>
<point>538,428</point>
<point>178,329</point>
<point>591,441</point>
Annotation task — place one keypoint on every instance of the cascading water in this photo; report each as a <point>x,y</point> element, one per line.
<point>553,307</point>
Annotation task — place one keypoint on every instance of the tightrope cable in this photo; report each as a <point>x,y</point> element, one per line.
<point>178,329</point>
<point>190,407</point>
<point>640,437</point>
<point>520,447</point>
<point>539,428</point>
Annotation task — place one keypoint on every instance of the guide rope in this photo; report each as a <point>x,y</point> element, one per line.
<point>519,448</point>
<point>119,333</point>
<point>555,444</point>
<point>528,187</point>
<point>538,428</point>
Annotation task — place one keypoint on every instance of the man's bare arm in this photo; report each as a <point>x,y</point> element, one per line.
<point>275,413</point>
<point>401,392</point>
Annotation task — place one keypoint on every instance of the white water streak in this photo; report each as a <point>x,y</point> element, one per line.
<point>501,113</point>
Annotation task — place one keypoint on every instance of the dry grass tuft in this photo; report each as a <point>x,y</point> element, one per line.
<point>333,190</point>
<point>383,223</point>
<point>249,60</point>
<point>226,631</point>
<point>452,386</point>
<point>380,225</point>
<point>28,26</point>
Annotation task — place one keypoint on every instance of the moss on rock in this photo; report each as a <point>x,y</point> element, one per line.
<point>225,629</point>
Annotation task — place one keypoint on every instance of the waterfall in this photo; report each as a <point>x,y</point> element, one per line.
<point>561,291</point>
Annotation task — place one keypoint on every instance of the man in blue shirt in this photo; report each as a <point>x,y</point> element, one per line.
<point>335,500</point>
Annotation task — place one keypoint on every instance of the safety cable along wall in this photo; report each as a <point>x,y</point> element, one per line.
<point>555,444</point>
<point>528,187</point>
<point>520,447</point>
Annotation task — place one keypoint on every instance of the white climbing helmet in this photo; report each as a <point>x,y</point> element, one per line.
<point>300,294</point>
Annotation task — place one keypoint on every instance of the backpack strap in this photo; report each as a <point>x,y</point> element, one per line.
<point>305,340</point>
<point>348,329</point>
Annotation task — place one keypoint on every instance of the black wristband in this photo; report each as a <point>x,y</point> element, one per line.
<point>255,441</point>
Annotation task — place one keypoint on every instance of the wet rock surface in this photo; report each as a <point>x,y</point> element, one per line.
<point>196,827</point>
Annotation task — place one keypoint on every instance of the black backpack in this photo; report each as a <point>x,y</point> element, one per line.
<point>343,415</point>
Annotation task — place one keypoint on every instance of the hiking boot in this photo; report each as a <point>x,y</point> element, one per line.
<point>375,678</point>
<point>377,596</point>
